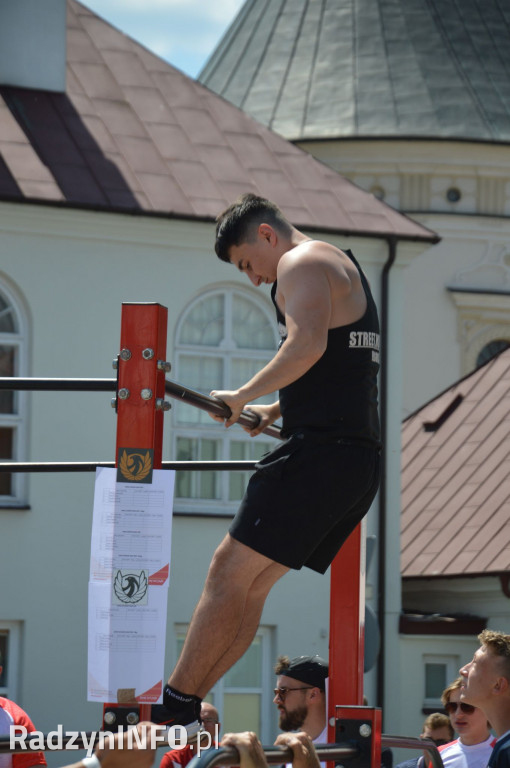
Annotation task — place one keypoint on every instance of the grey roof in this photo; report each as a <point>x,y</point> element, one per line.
<point>133,134</point>
<point>369,68</point>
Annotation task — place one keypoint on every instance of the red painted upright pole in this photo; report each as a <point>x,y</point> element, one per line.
<point>347,626</point>
<point>141,388</point>
<point>140,402</point>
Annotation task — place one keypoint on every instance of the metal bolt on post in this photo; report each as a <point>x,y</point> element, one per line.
<point>124,393</point>
<point>146,393</point>
<point>148,353</point>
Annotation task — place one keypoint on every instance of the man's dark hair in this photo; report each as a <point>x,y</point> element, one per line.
<point>238,223</point>
<point>282,662</point>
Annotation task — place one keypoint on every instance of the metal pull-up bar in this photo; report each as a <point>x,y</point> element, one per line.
<point>172,388</point>
<point>210,757</point>
<point>229,756</point>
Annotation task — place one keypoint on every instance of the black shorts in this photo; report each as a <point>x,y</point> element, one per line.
<point>305,498</point>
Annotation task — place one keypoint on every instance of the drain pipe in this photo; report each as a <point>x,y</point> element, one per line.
<point>381,580</point>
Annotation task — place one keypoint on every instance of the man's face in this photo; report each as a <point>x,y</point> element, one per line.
<point>209,717</point>
<point>479,677</point>
<point>257,257</point>
<point>471,725</point>
<point>292,705</point>
<point>439,735</point>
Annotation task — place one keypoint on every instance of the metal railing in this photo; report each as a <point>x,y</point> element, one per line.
<point>177,391</point>
<point>408,742</point>
<point>229,755</point>
<point>184,394</point>
<point>274,755</point>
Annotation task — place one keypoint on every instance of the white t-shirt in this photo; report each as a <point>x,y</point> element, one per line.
<point>459,755</point>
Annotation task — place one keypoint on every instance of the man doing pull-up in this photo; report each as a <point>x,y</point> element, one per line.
<point>311,491</point>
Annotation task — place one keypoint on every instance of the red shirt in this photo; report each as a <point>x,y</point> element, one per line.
<point>17,716</point>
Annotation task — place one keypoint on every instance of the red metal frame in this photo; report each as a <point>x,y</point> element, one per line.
<point>139,421</point>
<point>346,627</point>
<point>363,726</point>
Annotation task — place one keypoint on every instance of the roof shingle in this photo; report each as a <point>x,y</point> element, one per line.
<point>456,478</point>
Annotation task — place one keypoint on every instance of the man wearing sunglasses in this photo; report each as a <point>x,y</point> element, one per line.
<point>474,746</point>
<point>436,728</point>
<point>300,695</point>
<point>486,684</point>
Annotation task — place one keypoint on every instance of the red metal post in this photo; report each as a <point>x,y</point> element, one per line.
<point>141,383</point>
<point>140,397</point>
<point>347,626</point>
<point>361,725</point>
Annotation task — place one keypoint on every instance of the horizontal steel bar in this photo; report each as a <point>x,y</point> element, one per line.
<point>177,391</point>
<point>223,755</point>
<point>413,743</point>
<point>275,755</point>
<point>90,466</point>
<point>229,756</point>
<point>58,385</point>
<point>214,405</point>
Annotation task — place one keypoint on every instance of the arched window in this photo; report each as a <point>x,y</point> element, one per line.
<point>490,350</point>
<point>222,340</point>
<point>12,404</point>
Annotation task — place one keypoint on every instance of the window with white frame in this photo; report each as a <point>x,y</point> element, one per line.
<point>224,337</point>
<point>439,672</point>
<point>243,696</point>
<point>12,404</point>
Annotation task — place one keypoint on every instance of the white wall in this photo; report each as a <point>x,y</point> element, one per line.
<point>470,255</point>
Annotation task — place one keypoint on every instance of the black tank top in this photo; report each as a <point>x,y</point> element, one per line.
<point>338,394</point>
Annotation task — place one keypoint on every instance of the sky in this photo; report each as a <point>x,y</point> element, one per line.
<point>183,32</point>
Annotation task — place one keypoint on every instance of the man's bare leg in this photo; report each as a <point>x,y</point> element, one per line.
<point>254,605</point>
<point>233,596</point>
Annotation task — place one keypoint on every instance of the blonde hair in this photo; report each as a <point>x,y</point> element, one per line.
<point>445,696</point>
<point>499,644</point>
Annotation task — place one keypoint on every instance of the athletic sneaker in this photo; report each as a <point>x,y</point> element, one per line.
<point>178,709</point>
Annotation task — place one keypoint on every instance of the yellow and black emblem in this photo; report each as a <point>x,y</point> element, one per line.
<point>135,465</point>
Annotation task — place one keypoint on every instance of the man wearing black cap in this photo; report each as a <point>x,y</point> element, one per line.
<point>300,695</point>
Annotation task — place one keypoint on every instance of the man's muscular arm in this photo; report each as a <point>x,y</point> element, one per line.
<point>303,283</point>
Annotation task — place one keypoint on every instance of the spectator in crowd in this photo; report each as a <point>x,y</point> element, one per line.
<point>300,695</point>
<point>178,758</point>
<point>474,745</point>
<point>11,714</point>
<point>486,684</point>
<point>437,728</point>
